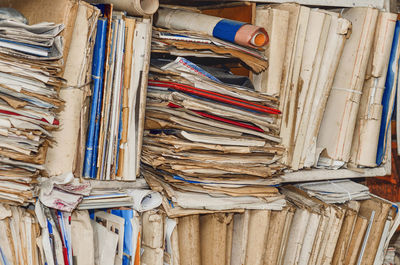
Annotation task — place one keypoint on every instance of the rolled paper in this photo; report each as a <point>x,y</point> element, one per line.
<point>250,35</point>
<point>225,29</point>
<point>132,7</point>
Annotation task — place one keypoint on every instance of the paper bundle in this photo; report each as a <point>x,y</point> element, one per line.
<point>336,191</point>
<point>65,154</point>
<point>356,232</point>
<point>188,43</point>
<point>320,92</point>
<point>139,199</point>
<point>225,29</point>
<point>29,101</point>
<point>18,237</point>
<point>366,133</point>
<point>337,127</point>
<point>119,73</point>
<point>304,52</point>
<point>207,132</point>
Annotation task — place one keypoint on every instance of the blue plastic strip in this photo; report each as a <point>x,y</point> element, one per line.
<point>226,29</point>
<point>89,168</point>
<point>387,109</point>
<point>128,231</point>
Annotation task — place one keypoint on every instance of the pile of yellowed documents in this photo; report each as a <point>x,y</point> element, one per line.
<point>306,231</point>
<point>335,73</point>
<point>30,65</point>
<point>207,132</point>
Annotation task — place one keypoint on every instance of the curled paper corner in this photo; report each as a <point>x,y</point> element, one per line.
<point>63,192</point>
<point>145,200</point>
<point>47,184</point>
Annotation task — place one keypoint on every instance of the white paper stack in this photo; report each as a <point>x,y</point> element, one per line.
<point>336,191</point>
<point>366,134</point>
<point>337,127</point>
<point>29,101</point>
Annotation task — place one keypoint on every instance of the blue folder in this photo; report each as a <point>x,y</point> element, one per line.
<point>128,250</point>
<point>89,171</point>
<point>390,88</point>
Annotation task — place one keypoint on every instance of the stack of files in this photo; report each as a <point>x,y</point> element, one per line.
<point>65,155</point>
<point>336,191</point>
<point>366,134</point>
<point>112,237</point>
<point>29,101</point>
<point>120,66</point>
<point>184,43</point>
<point>356,232</point>
<point>185,197</point>
<point>304,52</point>
<point>211,142</point>
<point>197,126</point>
<point>19,231</point>
<point>139,199</point>
<point>314,231</point>
<point>330,70</point>
<point>250,237</point>
<point>305,231</point>
<point>339,121</point>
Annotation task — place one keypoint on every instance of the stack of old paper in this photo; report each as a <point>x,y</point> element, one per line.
<point>65,154</point>
<point>314,51</point>
<point>366,134</point>
<point>113,135</point>
<point>208,137</point>
<point>211,142</point>
<point>336,191</point>
<point>304,52</point>
<point>337,127</point>
<point>29,100</point>
<point>306,231</point>
<point>19,234</point>
<point>56,237</point>
<point>184,43</point>
<point>352,233</point>
<point>183,197</point>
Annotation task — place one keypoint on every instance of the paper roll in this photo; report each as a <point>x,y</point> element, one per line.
<point>225,29</point>
<point>144,200</point>
<point>132,7</point>
<point>250,35</point>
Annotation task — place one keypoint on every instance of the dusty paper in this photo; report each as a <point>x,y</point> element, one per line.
<point>366,133</point>
<point>337,126</point>
<point>61,156</point>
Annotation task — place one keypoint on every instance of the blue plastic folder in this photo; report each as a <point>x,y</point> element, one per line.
<point>391,85</point>
<point>129,252</point>
<point>89,171</point>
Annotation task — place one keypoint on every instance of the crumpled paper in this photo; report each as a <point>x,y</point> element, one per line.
<point>63,192</point>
